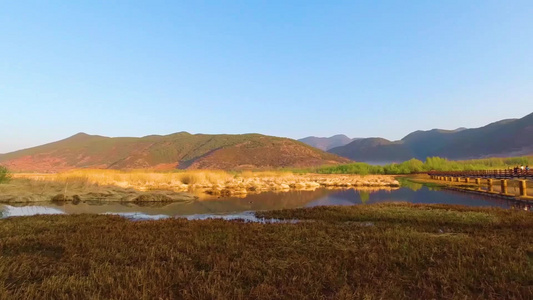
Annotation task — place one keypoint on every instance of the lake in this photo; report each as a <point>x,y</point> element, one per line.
<point>232,207</point>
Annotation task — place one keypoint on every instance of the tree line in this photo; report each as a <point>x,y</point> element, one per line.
<point>430,164</point>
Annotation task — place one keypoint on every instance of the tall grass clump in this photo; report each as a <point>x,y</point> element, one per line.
<point>140,179</point>
<point>137,179</point>
<point>5,175</point>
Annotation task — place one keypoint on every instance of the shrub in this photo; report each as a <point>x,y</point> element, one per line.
<point>5,175</point>
<point>432,163</point>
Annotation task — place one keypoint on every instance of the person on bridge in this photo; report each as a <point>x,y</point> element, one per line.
<point>527,168</point>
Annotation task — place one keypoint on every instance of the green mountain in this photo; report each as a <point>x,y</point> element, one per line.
<point>511,137</point>
<point>180,150</point>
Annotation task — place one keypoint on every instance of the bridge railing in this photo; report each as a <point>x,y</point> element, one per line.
<point>500,173</point>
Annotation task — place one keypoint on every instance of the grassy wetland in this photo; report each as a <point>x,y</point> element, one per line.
<point>370,251</point>
<point>386,251</point>
<point>143,185</point>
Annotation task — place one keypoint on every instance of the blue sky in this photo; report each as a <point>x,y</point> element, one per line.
<point>284,68</point>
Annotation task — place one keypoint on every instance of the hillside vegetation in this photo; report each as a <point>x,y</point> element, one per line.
<point>180,150</point>
<point>504,138</point>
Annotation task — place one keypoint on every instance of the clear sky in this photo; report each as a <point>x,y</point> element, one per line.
<point>284,68</point>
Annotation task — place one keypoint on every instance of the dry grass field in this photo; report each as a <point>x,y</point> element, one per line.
<point>387,251</point>
<point>214,182</point>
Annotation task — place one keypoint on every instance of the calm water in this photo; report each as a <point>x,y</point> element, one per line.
<point>231,208</point>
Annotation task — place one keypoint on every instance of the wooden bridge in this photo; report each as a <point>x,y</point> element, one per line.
<point>497,174</point>
<point>522,176</point>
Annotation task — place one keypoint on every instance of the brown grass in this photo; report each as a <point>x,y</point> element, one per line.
<point>72,188</point>
<point>140,179</point>
<point>146,180</point>
<point>386,251</point>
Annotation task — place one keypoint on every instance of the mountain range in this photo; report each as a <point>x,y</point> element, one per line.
<point>511,137</point>
<point>326,143</point>
<point>182,150</point>
<point>176,151</point>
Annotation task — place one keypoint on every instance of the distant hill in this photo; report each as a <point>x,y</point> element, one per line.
<point>326,143</point>
<point>511,137</point>
<point>374,150</point>
<point>180,150</point>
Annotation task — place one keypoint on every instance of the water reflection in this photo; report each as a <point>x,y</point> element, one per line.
<point>414,193</point>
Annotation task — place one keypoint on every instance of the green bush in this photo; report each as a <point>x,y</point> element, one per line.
<point>5,175</point>
<point>431,164</point>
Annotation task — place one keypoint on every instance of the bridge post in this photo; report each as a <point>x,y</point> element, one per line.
<point>467,180</point>
<point>489,182</point>
<point>523,188</point>
<point>478,181</point>
<point>504,186</point>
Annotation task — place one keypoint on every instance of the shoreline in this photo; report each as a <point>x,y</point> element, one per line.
<point>28,188</point>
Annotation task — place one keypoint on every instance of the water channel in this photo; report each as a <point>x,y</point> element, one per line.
<point>243,208</point>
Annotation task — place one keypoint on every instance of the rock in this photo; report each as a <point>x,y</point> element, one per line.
<point>60,197</point>
<point>76,199</point>
<point>152,198</point>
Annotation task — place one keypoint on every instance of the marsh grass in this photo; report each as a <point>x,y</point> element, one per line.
<point>143,178</point>
<point>24,190</point>
<point>392,251</point>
